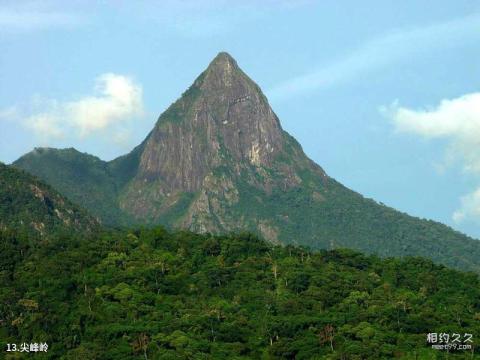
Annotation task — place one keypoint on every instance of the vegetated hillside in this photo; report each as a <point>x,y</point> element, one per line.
<point>218,160</point>
<point>29,206</point>
<point>83,178</point>
<point>151,294</point>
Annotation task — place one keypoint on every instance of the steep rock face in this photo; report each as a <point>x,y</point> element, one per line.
<point>220,132</point>
<point>218,161</point>
<point>222,117</point>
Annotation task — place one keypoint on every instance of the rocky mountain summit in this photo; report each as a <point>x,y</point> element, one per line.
<point>218,161</point>
<point>219,136</point>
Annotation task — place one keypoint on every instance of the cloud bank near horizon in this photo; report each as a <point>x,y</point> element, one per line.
<point>116,101</point>
<point>458,122</point>
<point>16,16</point>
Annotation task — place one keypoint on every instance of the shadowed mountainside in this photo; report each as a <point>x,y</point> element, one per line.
<point>29,206</point>
<point>218,160</point>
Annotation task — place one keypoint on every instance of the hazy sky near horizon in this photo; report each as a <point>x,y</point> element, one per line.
<point>384,95</point>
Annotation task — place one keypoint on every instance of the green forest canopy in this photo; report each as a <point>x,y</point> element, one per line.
<point>153,294</point>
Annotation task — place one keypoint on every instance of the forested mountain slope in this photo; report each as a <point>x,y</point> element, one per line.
<point>83,178</point>
<point>218,160</point>
<point>153,294</point>
<point>29,206</point>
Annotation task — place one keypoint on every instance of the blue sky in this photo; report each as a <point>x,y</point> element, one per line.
<point>384,95</point>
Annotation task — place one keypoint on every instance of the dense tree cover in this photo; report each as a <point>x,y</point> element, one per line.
<point>152,294</point>
<point>218,160</point>
<point>319,213</point>
<point>328,216</point>
<point>28,205</point>
<point>84,179</point>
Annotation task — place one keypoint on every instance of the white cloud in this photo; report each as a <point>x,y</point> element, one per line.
<point>458,122</point>
<point>25,21</point>
<point>9,113</point>
<point>398,45</point>
<point>469,209</point>
<point>24,16</point>
<point>45,126</point>
<point>116,101</point>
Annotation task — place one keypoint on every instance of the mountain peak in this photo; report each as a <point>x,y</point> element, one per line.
<point>223,120</point>
<point>219,140</point>
<point>223,59</point>
<point>223,73</point>
<point>219,161</point>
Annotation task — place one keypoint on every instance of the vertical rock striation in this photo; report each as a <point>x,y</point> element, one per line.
<point>221,133</point>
